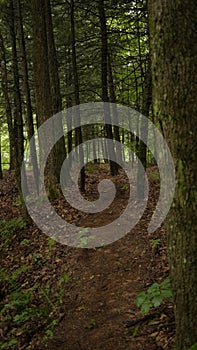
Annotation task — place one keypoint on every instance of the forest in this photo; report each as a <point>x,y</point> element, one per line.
<point>98,174</point>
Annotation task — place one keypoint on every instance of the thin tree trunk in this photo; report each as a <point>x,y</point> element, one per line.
<point>114,108</point>
<point>69,101</point>
<point>30,125</point>
<point>55,85</point>
<point>4,84</point>
<point>105,98</point>
<point>77,98</point>
<point>142,151</point>
<point>18,120</point>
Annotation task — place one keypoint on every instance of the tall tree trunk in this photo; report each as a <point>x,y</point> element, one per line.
<point>55,84</point>
<point>18,120</point>
<point>43,93</point>
<point>142,150</point>
<point>112,92</point>
<point>4,84</point>
<point>104,71</point>
<point>77,99</point>
<point>29,119</point>
<point>69,100</point>
<point>173,28</point>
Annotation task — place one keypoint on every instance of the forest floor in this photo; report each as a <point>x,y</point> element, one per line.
<point>61,298</point>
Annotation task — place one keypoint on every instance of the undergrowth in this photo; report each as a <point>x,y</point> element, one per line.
<point>26,305</point>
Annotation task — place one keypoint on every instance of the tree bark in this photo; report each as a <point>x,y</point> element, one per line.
<point>29,118</point>
<point>4,84</point>
<point>173,28</point>
<point>142,150</point>
<point>55,85</point>
<point>78,130</point>
<point>43,94</point>
<point>18,119</point>
<point>114,108</point>
<point>104,74</point>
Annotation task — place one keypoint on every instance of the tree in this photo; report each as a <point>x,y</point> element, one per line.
<point>8,110</point>
<point>43,92</point>
<point>29,118</point>
<point>55,85</point>
<point>104,74</point>
<point>173,28</point>
<point>78,130</point>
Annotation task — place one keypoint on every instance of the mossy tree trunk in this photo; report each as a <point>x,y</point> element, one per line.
<point>173,28</point>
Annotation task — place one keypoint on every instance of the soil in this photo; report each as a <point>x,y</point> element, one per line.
<point>96,307</point>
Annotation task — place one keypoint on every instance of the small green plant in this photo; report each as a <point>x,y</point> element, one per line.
<point>135,331</point>
<point>18,302</point>
<point>84,238</point>
<point>193,347</point>
<point>17,202</point>
<point>21,305</point>
<point>92,324</point>
<point>125,187</point>
<point>10,281</point>
<point>50,245</point>
<point>89,169</point>
<point>37,259</point>
<point>24,242</point>
<point>49,331</point>
<point>8,344</point>
<point>81,308</point>
<point>154,296</point>
<point>7,228</point>
<point>155,177</point>
<point>155,242</point>
<point>65,278</point>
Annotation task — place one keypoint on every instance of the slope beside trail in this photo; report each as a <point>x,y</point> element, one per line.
<point>97,308</point>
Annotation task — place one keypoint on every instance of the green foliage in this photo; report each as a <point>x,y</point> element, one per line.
<point>17,202</point>
<point>21,304</point>
<point>83,238</point>
<point>155,242</point>
<point>92,324</point>
<point>24,242</point>
<point>194,347</point>
<point>50,245</point>
<point>125,187</point>
<point>65,278</point>
<point>38,259</point>
<point>155,177</point>
<point>8,228</point>
<point>49,331</point>
<point>135,331</point>
<point>89,169</point>
<point>154,296</point>
<point>9,281</point>
<point>8,344</point>
<point>4,142</point>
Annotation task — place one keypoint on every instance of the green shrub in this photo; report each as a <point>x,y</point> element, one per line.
<point>154,296</point>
